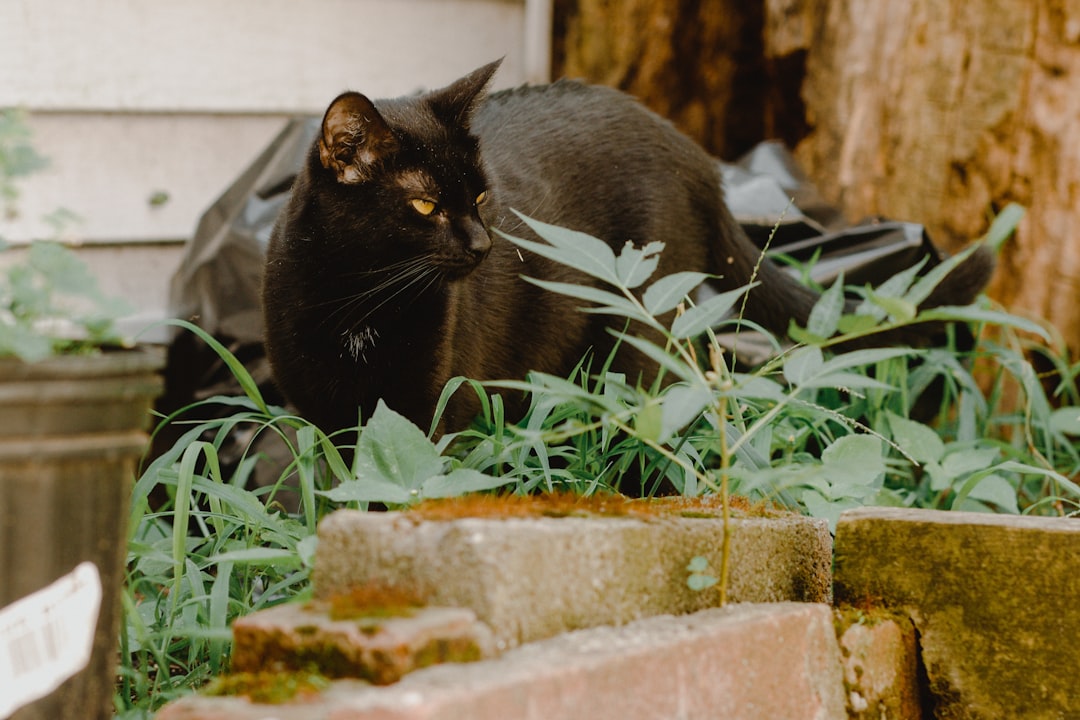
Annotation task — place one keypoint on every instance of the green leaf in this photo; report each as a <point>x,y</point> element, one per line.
<point>860,323</point>
<point>369,491</point>
<point>939,479</point>
<point>608,301</point>
<point>756,387</point>
<point>862,358</point>
<point>845,381</point>
<point>1004,226</point>
<point>24,343</point>
<point>682,404</point>
<point>817,505</point>
<point>853,461</point>
<point>989,488</point>
<point>571,248</point>
<point>802,336</point>
<point>961,462</point>
<point>305,550</point>
<point>554,388</point>
<point>926,284</point>
<point>636,265</point>
<point>1066,420</point>
<point>701,317</point>
<point>825,315</point>
<point>1025,469</point>
<point>698,582</point>
<point>973,314</point>
<point>898,309</point>
<point>583,292</point>
<point>898,285</point>
<point>917,440</point>
<point>803,364</point>
<point>393,449</point>
<point>239,372</point>
<point>664,359</point>
<point>648,422</point>
<point>698,564</point>
<point>461,481</point>
<point>666,293</point>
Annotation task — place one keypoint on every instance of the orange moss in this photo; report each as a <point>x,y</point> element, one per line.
<point>572,505</point>
<point>371,600</point>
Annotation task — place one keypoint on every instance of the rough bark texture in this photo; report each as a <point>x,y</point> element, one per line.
<point>936,111</point>
<point>686,59</point>
<point>943,111</point>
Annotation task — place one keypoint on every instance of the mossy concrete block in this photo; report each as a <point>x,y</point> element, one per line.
<point>741,662</point>
<point>881,664</point>
<point>537,577</point>
<point>994,599</point>
<point>381,650</point>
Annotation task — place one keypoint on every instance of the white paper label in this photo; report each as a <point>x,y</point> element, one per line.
<point>47,637</point>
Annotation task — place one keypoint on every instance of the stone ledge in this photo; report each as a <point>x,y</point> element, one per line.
<point>530,579</point>
<point>381,650</point>
<point>993,598</point>
<point>744,662</point>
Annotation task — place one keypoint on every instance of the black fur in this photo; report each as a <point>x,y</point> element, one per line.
<point>366,298</point>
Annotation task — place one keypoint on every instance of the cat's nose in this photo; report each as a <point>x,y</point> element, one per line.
<point>477,241</point>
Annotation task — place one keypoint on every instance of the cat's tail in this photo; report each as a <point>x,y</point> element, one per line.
<point>779,299</point>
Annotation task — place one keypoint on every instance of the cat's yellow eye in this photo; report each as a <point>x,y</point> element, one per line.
<point>481,198</point>
<point>424,207</point>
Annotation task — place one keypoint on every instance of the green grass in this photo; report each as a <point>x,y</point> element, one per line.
<point>813,430</point>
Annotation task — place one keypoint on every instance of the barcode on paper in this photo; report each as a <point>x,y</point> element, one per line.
<point>46,637</point>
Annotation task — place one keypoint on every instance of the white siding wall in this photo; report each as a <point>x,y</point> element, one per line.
<point>135,98</point>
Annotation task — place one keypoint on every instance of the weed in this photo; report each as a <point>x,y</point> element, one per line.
<point>813,429</point>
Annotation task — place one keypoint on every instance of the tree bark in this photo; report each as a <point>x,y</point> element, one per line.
<point>942,112</point>
<point>696,62</point>
<point>934,111</point>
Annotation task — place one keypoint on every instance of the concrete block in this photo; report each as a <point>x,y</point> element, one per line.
<point>993,597</point>
<point>532,578</point>
<point>742,662</point>
<point>881,665</point>
<point>381,650</point>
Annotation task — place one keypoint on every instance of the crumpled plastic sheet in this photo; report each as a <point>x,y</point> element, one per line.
<point>218,283</point>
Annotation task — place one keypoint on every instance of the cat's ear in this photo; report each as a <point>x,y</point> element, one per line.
<point>355,138</point>
<point>456,102</point>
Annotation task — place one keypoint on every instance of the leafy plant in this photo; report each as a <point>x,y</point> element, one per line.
<point>207,544</point>
<point>51,304</point>
<point>17,157</point>
<point>815,428</point>
<point>49,301</point>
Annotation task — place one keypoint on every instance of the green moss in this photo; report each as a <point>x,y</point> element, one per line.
<point>267,687</point>
<point>328,659</point>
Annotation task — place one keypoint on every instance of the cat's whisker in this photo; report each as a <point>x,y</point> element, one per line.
<point>406,271</point>
<point>416,271</point>
<point>404,264</point>
<point>431,273</point>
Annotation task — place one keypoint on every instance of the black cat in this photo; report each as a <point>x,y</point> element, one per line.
<point>384,278</point>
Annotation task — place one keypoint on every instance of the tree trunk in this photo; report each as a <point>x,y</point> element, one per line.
<point>942,112</point>
<point>935,111</point>
<point>689,60</point>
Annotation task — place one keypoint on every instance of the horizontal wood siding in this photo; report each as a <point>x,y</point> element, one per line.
<point>244,55</point>
<point>149,109</point>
